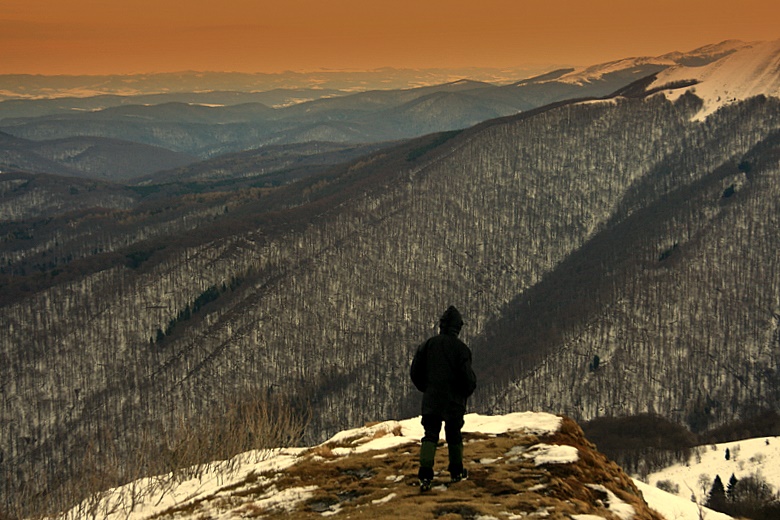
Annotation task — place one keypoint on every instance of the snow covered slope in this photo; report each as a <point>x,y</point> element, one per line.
<point>639,67</point>
<point>723,73</point>
<point>643,65</point>
<point>750,70</point>
<point>706,54</point>
<point>673,507</point>
<point>746,457</point>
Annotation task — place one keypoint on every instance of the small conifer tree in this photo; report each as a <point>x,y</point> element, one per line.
<point>716,498</point>
<point>730,489</point>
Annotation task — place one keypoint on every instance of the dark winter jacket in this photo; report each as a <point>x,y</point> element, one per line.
<point>441,369</point>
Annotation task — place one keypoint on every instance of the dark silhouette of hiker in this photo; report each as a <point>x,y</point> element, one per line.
<point>441,369</point>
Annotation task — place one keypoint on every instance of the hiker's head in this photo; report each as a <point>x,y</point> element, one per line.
<point>451,321</point>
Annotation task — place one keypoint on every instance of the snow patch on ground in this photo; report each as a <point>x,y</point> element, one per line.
<point>390,434</point>
<point>535,423</point>
<point>388,498</point>
<point>286,499</point>
<point>552,454</point>
<point>163,492</point>
<point>673,507</point>
<point>621,509</point>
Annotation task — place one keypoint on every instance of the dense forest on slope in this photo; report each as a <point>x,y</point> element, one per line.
<point>676,299</point>
<point>617,230</point>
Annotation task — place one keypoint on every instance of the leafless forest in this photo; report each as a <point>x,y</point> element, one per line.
<point>609,258</point>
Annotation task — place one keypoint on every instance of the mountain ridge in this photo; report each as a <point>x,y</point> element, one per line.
<point>747,71</point>
<point>84,156</point>
<point>368,116</point>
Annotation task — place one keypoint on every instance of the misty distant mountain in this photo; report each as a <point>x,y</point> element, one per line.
<point>372,101</point>
<point>188,113</point>
<point>211,130</point>
<point>365,117</point>
<point>27,86</point>
<point>41,200</point>
<point>93,157</point>
<point>613,256</point>
<point>36,107</point>
<point>18,154</point>
<point>263,167</point>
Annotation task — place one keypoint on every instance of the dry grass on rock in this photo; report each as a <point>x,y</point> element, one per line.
<point>503,481</point>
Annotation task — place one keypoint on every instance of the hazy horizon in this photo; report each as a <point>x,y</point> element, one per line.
<point>327,82</point>
<point>85,37</point>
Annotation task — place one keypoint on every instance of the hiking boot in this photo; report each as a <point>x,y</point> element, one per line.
<point>463,474</point>
<point>425,484</point>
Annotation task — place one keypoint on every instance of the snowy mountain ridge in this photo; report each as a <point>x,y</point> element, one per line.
<point>597,72</point>
<point>697,57</point>
<point>751,70</point>
<point>522,465</point>
<point>707,53</point>
<point>722,74</point>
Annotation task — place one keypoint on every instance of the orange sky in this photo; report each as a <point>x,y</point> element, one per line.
<point>130,36</point>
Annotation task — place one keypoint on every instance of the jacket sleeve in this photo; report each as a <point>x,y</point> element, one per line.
<point>468,377</point>
<point>419,371</point>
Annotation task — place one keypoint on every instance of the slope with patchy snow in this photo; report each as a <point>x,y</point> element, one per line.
<point>673,507</point>
<point>751,70</point>
<point>522,465</point>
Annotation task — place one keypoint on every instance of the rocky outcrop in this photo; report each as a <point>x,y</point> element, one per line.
<point>532,466</point>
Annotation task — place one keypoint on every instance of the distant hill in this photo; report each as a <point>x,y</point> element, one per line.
<point>263,167</point>
<point>366,117</point>
<point>92,157</point>
<point>48,106</point>
<point>45,198</point>
<point>19,154</point>
<point>207,125</point>
<point>24,86</point>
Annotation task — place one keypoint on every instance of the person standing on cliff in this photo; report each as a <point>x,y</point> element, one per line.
<point>441,369</point>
